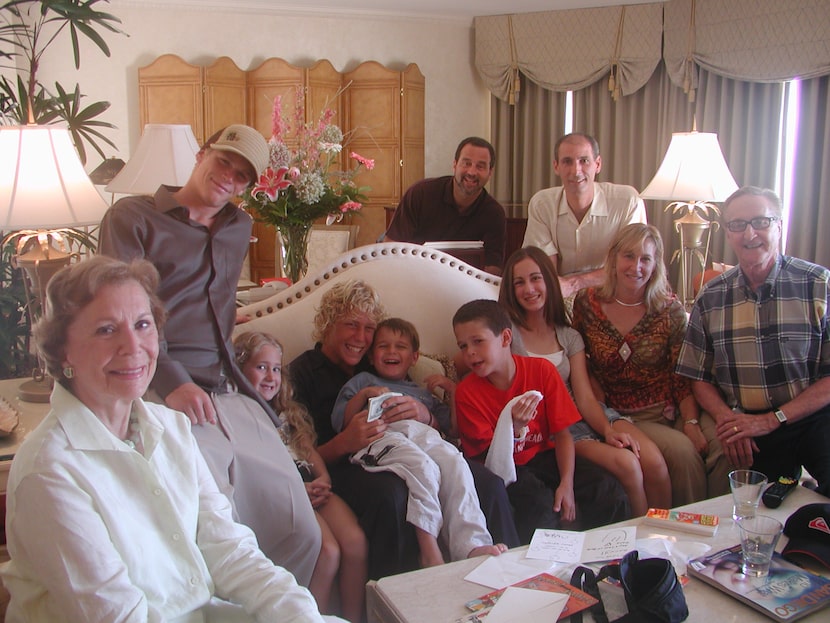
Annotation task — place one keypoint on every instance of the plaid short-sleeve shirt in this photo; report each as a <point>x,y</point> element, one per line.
<point>760,348</point>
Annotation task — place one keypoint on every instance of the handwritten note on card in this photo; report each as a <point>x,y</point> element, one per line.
<point>558,545</point>
<point>573,547</point>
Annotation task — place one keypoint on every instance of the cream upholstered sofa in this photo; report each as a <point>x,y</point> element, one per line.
<point>422,285</point>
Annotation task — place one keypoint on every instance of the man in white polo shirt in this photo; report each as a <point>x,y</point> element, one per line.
<point>575,223</point>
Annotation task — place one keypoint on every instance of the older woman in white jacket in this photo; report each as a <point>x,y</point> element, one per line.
<point>112,512</point>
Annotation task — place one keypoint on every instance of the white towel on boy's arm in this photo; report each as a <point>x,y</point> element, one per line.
<point>500,455</point>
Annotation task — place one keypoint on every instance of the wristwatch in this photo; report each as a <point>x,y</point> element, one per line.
<point>691,421</point>
<point>780,416</point>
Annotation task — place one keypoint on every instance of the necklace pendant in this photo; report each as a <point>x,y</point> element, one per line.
<point>625,351</point>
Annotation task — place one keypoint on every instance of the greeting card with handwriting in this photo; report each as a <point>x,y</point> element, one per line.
<point>574,547</point>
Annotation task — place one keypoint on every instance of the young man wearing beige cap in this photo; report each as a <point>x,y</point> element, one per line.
<point>197,239</point>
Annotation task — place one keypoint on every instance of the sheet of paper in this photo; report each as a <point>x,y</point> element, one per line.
<point>558,545</point>
<point>522,605</point>
<point>602,545</point>
<point>511,567</point>
<point>573,547</point>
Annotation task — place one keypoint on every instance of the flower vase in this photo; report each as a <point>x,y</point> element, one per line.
<point>294,242</point>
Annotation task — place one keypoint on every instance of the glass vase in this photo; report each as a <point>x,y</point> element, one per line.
<point>294,243</point>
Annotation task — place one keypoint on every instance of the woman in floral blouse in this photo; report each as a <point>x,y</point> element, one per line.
<point>633,327</point>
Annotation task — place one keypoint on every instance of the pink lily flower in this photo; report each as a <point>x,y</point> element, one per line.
<point>351,206</point>
<point>271,183</point>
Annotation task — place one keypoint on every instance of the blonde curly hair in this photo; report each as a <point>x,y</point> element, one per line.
<point>300,433</point>
<point>343,300</point>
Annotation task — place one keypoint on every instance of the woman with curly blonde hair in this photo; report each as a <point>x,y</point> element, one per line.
<point>259,355</point>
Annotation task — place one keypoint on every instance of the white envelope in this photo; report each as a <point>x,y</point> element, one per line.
<point>525,605</point>
<point>511,567</point>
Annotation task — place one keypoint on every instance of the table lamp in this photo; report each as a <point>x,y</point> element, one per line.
<point>44,191</point>
<point>166,154</point>
<point>693,176</point>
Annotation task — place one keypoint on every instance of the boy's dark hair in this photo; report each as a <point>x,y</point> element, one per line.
<point>402,327</point>
<point>487,311</point>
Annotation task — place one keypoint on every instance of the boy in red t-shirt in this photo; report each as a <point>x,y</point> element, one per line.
<point>550,480</point>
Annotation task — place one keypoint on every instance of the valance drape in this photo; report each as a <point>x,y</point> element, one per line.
<point>569,50</point>
<point>750,40</point>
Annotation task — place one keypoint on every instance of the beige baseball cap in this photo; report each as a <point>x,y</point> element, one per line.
<point>247,142</point>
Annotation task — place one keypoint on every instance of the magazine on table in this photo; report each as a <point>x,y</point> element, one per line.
<point>788,593</point>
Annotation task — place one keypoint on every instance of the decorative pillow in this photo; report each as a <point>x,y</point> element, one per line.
<point>433,364</point>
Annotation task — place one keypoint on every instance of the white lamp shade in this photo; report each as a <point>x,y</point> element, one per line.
<point>166,154</point>
<point>42,181</point>
<point>693,169</point>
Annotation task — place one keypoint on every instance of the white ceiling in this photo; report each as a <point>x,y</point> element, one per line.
<point>457,9</point>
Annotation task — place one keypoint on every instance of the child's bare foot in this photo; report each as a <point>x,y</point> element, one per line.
<point>487,550</point>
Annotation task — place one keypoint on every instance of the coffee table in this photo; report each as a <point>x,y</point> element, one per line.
<point>438,594</point>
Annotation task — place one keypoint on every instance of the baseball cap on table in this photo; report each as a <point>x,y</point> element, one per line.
<point>247,142</point>
<point>809,531</point>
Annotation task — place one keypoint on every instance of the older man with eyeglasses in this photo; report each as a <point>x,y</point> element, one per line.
<point>758,348</point>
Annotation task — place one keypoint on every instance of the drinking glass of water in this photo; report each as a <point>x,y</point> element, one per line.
<point>759,535</point>
<point>747,485</point>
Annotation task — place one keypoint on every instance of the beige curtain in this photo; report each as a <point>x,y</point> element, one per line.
<point>712,48</point>
<point>633,134</point>
<point>809,219</point>
<point>757,40</point>
<point>524,136</point>
<point>568,50</point>
<point>745,116</point>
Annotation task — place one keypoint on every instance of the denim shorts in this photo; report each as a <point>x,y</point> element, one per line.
<point>581,431</point>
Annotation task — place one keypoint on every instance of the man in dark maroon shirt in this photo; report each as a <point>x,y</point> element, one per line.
<point>456,207</point>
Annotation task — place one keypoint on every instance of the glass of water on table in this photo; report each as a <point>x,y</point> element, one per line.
<point>759,535</point>
<point>747,486</point>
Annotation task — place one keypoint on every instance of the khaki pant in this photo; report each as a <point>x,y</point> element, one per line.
<point>694,476</point>
<point>252,467</point>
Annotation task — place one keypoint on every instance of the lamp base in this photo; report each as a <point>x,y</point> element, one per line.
<point>36,390</point>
